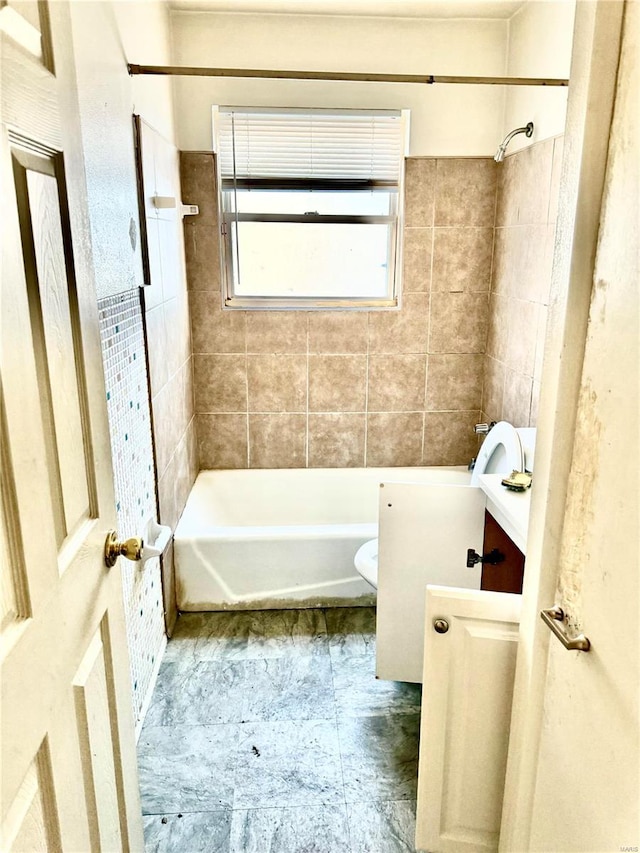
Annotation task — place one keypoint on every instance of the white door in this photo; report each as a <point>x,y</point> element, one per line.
<point>69,779</point>
<point>586,791</point>
<point>425,530</point>
<point>471,640</point>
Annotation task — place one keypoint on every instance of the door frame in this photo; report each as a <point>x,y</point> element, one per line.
<point>592,89</point>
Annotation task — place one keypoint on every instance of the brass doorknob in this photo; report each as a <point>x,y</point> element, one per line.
<point>113,548</point>
<point>440,626</point>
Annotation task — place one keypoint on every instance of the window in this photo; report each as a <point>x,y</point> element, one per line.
<point>310,205</point>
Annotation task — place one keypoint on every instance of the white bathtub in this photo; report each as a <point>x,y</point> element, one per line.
<point>282,538</point>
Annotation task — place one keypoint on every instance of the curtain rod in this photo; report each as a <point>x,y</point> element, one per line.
<point>187,71</point>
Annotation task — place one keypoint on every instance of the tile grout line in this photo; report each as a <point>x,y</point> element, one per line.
<point>366,398</point>
<point>429,319</point>
<point>246,380</point>
<point>306,443</point>
<point>335,707</point>
<point>490,299</point>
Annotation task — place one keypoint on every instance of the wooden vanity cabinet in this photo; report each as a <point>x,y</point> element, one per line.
<point>505,576</point>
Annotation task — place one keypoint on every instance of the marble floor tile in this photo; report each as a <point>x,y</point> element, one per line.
<point>351,630</point>
<point>186,632</point>
<point>293,688</point>
<point>225,636</point>
<point>359,693</point>
<point>319,829</point>
<point>187,768</point>
<point>379,757</point>
<point>198,693</point>
<point>264,724</point>
<point>383,827</point>
<point>282,764</point>
<point>201,832</point>
<point>238,691</point>
<point>283,633</point>
<point>210,636</point>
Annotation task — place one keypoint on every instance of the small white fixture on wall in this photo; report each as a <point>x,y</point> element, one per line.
<point>165,202</point>
<point>189,210</point>
<point>155,540</point>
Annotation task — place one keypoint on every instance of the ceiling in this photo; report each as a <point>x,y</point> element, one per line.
<point>384,8</point>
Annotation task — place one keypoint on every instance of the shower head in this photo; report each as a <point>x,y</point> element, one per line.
<point>528,131</point>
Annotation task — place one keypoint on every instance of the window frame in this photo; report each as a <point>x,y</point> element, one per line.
<point>395,219</point>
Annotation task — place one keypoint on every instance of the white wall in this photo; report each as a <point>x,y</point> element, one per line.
<point>445,120</point>
<point>145,31</point>
<point>540,39</point>
<point>104,97</point>
<point>107,35</point>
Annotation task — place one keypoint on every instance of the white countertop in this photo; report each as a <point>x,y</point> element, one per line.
<point>510,509</point>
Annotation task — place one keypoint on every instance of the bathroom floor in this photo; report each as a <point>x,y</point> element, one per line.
<point>268,733</point>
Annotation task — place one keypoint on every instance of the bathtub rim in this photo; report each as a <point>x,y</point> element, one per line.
<point>191,526</point>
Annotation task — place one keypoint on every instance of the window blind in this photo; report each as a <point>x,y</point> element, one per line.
<point>340,145</point>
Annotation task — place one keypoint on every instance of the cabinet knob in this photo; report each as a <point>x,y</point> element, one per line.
<point>440,626</point>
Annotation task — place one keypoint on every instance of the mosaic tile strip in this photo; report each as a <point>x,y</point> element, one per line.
<point>123,353</point>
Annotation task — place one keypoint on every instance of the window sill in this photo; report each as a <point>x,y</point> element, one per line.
<point>273,303</point>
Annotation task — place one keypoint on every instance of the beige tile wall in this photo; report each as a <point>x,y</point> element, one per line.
<point>350,388</point>
<point>168,347</point>
<point>526,208</point>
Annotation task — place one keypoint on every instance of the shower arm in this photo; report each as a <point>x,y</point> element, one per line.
<point>527,130</point>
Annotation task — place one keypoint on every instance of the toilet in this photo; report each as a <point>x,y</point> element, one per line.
<point>502,452</point>
<point>366,562</point>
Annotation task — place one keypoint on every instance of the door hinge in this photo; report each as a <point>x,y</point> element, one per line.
<point>492,558</point>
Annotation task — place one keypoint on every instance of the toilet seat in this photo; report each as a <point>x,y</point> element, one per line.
<point>501,453</point>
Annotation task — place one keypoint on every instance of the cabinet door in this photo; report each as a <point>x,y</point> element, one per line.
<point>466,713</point>
<point>424,531</point>
<point>505,576</point>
